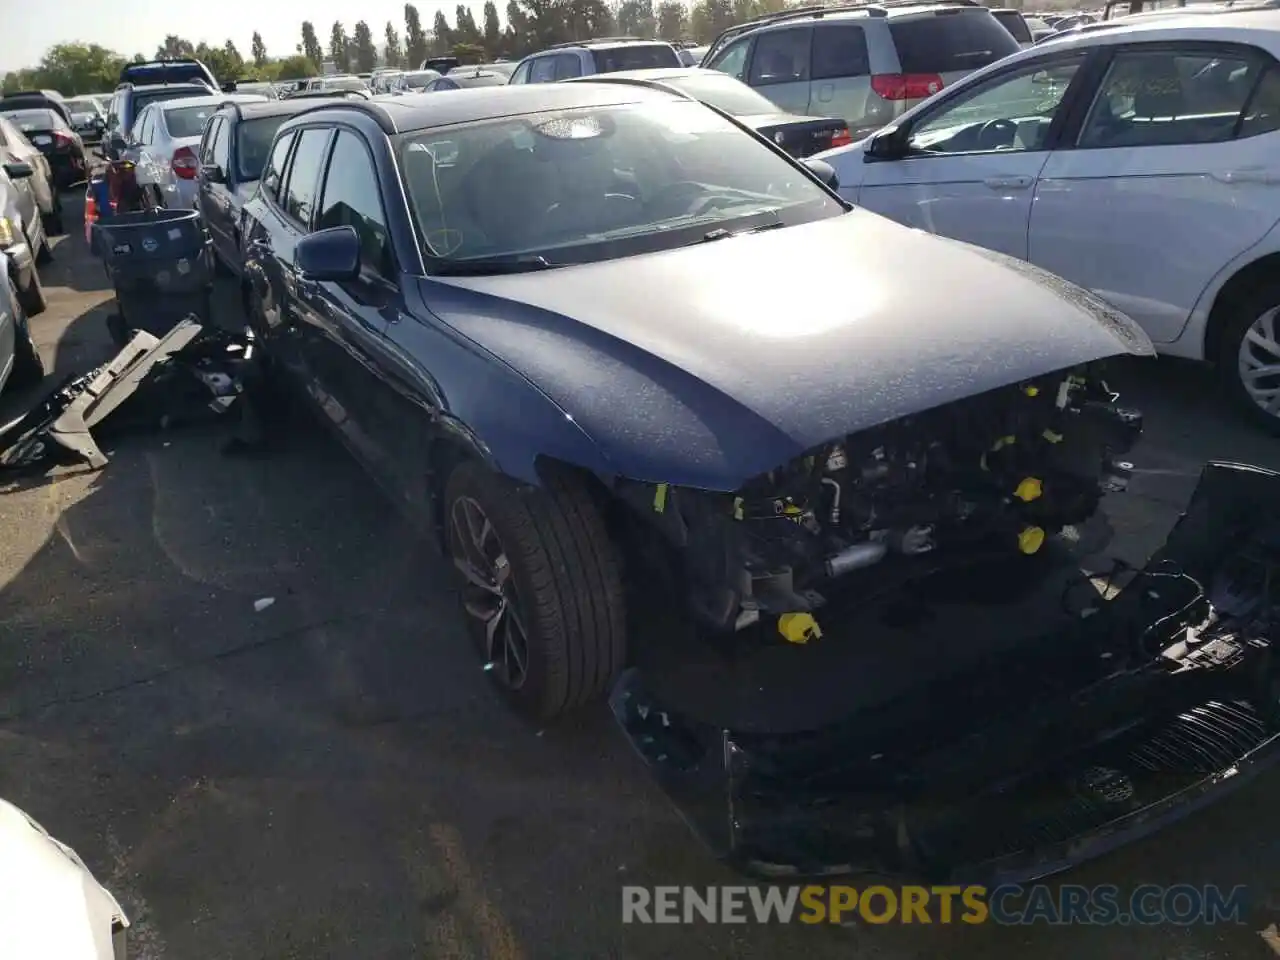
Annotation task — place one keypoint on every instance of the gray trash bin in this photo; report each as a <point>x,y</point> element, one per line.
<point>160,265</point>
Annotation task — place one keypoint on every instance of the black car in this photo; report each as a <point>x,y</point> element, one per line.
<point>233,152</point>
<point>61,146</point>
<point>129,100</point>
<point>567,325</point>
<point>799,136</point>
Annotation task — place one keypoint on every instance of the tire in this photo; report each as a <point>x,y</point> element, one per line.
<point>28,365</point>
<point>1259,310</point>
<point>31,297</point>
<point>562,577</point>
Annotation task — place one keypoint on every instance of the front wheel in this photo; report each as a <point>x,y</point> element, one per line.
<point>32,296</point>
<point>28,366</point>
<point>541,587</point>
<point>1249,356</point>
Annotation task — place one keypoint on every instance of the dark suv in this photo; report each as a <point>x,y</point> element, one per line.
<point>237,140</point>
<point>128,102</point>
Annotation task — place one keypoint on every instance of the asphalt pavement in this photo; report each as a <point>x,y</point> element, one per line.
<point>331,776</point>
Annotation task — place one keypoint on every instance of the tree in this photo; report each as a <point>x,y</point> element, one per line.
<point>673,20</point>
<point>415,39</point>
<point>174,46</point>
<point>259,50</point>
<point>365,53</point>
<point>296,68</point>
<point>70,68</point>
<point>465,29</point>
<point>391,46</point>
<point>224,61</point>
<point>340,47</point>
<point>311,45</point>
<point>636,18</point>
<point>492,28</point>
<point>442,34</point>
<point>518,33</point>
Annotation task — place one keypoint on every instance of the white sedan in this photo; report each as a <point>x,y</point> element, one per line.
<point>1141,162</point>
<point>164,145</point>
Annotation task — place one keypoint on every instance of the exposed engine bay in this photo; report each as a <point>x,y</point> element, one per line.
<point>1000,472</point>
<point>1001,741</point>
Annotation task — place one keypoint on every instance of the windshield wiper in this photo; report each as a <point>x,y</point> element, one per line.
<point>720,233</point>
<point>492,266</point>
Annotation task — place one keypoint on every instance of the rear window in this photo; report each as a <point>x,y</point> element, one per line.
<point>1012,21</point>
<point>188,121</point>
<point>636,56</point>
<point>35,120</point>
<point>253,145</point>
<point>955,41</point>
<point>479,80</point>
<point>164,73</point>
<point>142,100</point>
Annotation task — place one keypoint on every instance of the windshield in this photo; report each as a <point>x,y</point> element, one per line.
<point>416,81</point>
<point>345,83</point>
<point>254,146</point>
<point>636,56</point>
<point>955,42</point>
<point>185,122</point>
<point>83,105</point>
<point>722,91</point>
<point>584,185</point>
<point>478,79</point>
<point>26,120</point>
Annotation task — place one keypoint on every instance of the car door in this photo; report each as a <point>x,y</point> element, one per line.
<point>779,67</point>
<point>1174,173</point>
<point>343,333</point>
<point>971,159</point>
<point>269,237</point>
<point>215,195</point>
<point>840,83</point>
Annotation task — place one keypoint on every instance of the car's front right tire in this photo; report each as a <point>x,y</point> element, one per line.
<point>541,586</point>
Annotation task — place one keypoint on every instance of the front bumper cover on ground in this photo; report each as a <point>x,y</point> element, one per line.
<point>1014,770</point>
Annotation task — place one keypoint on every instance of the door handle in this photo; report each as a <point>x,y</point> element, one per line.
<point>1008,183</point>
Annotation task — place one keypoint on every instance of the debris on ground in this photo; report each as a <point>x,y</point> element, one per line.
<point>1271,937</point>
<point>262,604</point>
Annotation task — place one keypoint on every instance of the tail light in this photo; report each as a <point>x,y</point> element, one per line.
<point>841,138</point>
<point>90,216</point>
<point>906,86</point>
<point>62,141</point>
<point>185,164</point>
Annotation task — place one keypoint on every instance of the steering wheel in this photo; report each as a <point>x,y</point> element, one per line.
<point>989,130</point>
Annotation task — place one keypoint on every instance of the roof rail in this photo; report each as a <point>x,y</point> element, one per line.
<point>362,104</point>
<point>583,43</point>
<point>796,13</point>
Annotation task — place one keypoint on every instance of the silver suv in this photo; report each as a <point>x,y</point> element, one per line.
<point>564,61</point>
<point>867,64</point>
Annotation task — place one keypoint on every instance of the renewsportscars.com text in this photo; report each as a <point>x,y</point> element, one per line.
<point>1067,904</point>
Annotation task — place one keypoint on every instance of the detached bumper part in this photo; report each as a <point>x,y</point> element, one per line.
<point>1145,708</point>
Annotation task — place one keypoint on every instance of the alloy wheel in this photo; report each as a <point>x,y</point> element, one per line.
<point>489,592</point>
<point>1258,362</point>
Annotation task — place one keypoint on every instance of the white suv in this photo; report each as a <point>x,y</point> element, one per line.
<point>1141,162</point>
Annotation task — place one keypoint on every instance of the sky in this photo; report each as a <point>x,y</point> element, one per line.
<point>28,28</point>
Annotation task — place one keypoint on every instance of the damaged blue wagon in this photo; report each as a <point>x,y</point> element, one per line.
<point>821,541</point>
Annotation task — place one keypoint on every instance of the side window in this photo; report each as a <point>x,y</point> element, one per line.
<point>142,127</point>
<point>275,166</point>
<point>733,58</point>
<point>1165,97</point>
<point>304,174</point>
<point>782,56</point>
<point>210,135</point>
<point>113,111</point>
<point>522,73</point>
<point>839,50</point>
<point>222,144</point>
<point>1012,112</point>
<point>351,198</point>
<point>1262,115</point>
<point>444,83</point>
<point>568,65</point>
<point>543,70</point>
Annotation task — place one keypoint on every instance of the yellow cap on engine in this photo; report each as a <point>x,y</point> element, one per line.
<point>1030,540</point>
<point>1031,391</point>
<point>1029,489</point>
<point>799,627</point>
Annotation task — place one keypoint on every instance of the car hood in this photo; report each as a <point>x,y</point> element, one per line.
<point>50,904</point>
<point>711,364</point>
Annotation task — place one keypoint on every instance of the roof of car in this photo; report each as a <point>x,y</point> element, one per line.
<point>1257,26</point>
<point>271,108</point>
<point>656,73</point>
<point>181,85</point>
<point>219,99</point>
<point>602,42</point>
<point>420,111</point>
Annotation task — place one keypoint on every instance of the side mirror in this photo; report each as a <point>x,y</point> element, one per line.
<point>332,254</point>
<point>888,144</point>
<point>118,143</point>
<point>824,172</point>
<point>213,173</point>
<point>19,170</point>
